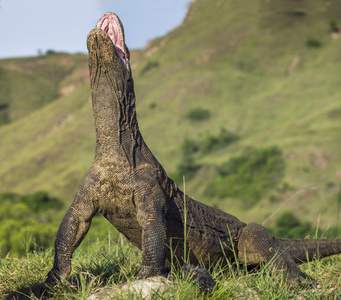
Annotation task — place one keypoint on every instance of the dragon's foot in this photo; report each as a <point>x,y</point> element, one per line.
<point>152,271</point>
<point>53,279</point>
<point>302,281</point>
<point>200,276</point>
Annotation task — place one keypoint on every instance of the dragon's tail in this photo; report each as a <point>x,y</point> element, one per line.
<point>304,250</point>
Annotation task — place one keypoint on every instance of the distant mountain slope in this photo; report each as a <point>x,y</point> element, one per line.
<point>27,84</point>
<point>266,71</point>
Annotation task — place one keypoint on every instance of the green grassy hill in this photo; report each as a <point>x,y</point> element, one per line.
<point>27,84</point>
<point>267,72</point>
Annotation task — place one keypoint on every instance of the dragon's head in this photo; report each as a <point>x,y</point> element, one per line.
<point>106,44</point>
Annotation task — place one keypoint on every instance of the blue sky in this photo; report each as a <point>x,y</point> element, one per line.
<point>29,26</point>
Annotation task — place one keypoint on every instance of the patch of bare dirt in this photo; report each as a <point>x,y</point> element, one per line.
<point>76,78</point>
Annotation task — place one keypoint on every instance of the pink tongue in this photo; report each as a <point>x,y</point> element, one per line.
<point>109,26</point>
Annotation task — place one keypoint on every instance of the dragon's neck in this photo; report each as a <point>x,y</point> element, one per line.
<point>116,126</point>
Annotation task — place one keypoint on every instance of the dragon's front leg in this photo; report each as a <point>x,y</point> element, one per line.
<point>151,216</point>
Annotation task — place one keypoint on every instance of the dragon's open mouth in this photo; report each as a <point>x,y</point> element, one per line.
<point>110,24</point>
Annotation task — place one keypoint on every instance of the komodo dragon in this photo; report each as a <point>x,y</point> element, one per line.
<point>129,187</point>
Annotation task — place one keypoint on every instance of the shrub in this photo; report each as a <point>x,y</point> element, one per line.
<point>313,43</point>
<point>198,114</point>
<point>189,147</point>
<point>248,176</point>
<point>296,13</point>
<point>211,143</point>
<point>4,94</point>
<point>192,148</point>
<point>50,52</point>
<point>288,225</point>
<point>27,222</point>
<point>333,26</point>
<point>152,105</point>
<point>4,114</point>
<point>40,201</point>
<point>187,168</point>
<point>151,64</point>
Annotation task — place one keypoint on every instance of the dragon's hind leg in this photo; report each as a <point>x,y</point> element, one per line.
<point>256,245</point>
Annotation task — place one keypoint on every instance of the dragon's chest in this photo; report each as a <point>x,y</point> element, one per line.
<point>117,205</point>
<point>117,201</point>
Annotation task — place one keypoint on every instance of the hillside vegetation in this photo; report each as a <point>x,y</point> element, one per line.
<point>242,102</point>
<point>266,71</point>
<point>243,99</point>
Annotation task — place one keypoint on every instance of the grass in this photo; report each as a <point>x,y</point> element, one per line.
<point>109,262</point>
<point>119,263</point>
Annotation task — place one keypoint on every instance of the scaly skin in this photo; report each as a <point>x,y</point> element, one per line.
<point>129,187</point>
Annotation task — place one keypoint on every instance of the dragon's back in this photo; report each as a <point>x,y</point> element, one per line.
<point>210,234</point>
